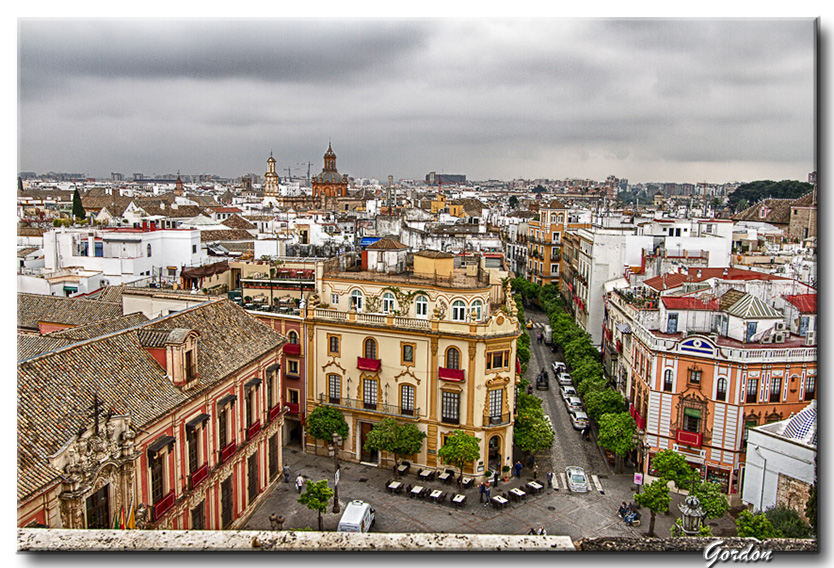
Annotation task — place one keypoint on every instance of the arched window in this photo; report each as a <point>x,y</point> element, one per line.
<point>458,310</point>
<point>370,348</point>
<point>149,249</point>
<point>356,300</point>
<point>452,358</point>
<point>476,310</point>
<point>293,337</point>
<point>387,303</point>
<point>422,306</point>
<point>667,380</point>
<point>721,389</point>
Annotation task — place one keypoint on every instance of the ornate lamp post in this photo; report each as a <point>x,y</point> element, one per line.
<point>691,515</point>
<point>333,450</point>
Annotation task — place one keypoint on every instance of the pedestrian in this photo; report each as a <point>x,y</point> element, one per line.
<point>495,479</point>
<point>299,483</point>
<point>542,532</point>
<point>532,530</point>
<point>549,479</point>
<point>486,495</point>
<point>518,468</point>
<point>530,460</point>
<point>482,491</point>
<point>535,470</point>
<point>286,473</point>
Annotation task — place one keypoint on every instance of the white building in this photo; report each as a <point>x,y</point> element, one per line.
<point>124,256</point>
<point>781,459</point>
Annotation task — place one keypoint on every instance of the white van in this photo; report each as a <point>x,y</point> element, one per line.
<point>358,517</point>
<point>548,335</point>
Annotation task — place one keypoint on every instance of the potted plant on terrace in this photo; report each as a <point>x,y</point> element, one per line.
<point>506,472</point>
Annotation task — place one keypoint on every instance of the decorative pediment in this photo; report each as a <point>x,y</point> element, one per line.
<point>408,374</point>
<point>697,345</point>
<point>333,363</point>
<point>498,382</point>
<point>451,387</point>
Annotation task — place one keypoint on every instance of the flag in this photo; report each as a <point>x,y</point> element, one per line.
<point>131,518</point>
<point>122,519</point>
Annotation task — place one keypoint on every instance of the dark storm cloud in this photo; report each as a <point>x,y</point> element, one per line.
<point>534,98</point>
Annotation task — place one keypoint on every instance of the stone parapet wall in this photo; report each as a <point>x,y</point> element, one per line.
<point>691,544</point>
<point>36,540</point>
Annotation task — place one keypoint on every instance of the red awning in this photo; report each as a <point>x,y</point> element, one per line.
<point>364,364</point>
<point>450,374</point>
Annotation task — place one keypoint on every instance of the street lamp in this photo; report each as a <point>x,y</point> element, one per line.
<point>333,450</point>
<point>691,515</point>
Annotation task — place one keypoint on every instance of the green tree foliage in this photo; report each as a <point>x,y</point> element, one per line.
<point>587,370</point>
<point>528,290</point>
<point>77,209</point>
<point>811,506</point>
<point>528,403</point>
<point>513,202</point>
<point>323,421</point>
<point>578,350</point>
<point>460,448</point>
<point>539,189</point>
<point>398,439</point>
<point>616,434</point>
<point>713,501</point>
<point>532,433</point>
<point>19,184</point>
<point>671,465</point>
<point>788,522</point>
<point>757,190</point>
<point>655,497</point>
<point>606,401</point>
<point>757,526</point>
<point>316,496</point>
<point>589,386</point>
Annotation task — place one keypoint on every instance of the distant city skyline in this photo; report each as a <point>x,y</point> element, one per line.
<point>676,100</point>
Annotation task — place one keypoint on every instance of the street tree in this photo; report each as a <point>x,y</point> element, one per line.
<point>713,501</point>
<point>513,202</point>
<point>316,496</point>
<point>671,465</point>
<point>398,439</point>
<point>788,522</point>
<point>78,211</point>
<point>532,433</point>
<point>758,526</point>
<point>323,421</point>
<point>655,497</point>
<point>459,449</point>
<point>589,386</point>
<point>616,434</point>
<point>601,402</point>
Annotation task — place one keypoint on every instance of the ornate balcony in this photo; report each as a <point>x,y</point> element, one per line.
<point>198,476</point>
<point>366,364</point>
<point>498,420</point>
<point>164,504</point>
<point>253,430</point>
<point>228,451</point>
<point>446,374</point>
<point>689,438</point>
<point>356,404</point>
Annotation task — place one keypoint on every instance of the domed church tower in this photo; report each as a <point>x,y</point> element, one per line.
<point>271,178</point>
<point>329,183</point>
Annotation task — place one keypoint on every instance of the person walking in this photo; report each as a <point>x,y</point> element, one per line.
<point>486,495</point>
<point>549,479</point>
<point>535,470</point>
<point>518,468</point>
<point>299,483</point>
<point>286,473</point>
<point>482,491</point>
<point>542,532</point>
<point>495,477</point>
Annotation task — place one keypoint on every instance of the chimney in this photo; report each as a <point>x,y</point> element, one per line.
<point>144,225</point>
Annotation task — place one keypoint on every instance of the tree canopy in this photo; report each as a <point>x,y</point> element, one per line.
<point>459,449</point>
<point>324,420</point>
<point>757,526</point>
<point>513,202</point>
<point>788,522</point>
<point>655,497</point>
<point>671,465</point>
<point>78,209</point>
<point>601,402</point>
<point>316,496</point>
<point>713,501</point>
<point>616,432</point>
<point>399,439</point>
<point>532,433</point>
<point>757,190</point>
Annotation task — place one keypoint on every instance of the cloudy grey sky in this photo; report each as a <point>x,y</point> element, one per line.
<point>648,100</point>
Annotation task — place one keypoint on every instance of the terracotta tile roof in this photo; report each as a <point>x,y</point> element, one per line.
<point>116,205</point>
<point>807,303</point>
<point>689,303</point>
<point>225,235</point>
<point>100,328</point>
<point>777,212</point>
<point>24,252</point>
<point>238,222</point>
<point>31,231</point>
<point>729,298</point>
<point>153,338</point>
<point>204,200</point>
<point>55,390</point>
<point>387,243</point>
<point>34,308</point>
<point>677,279</point>
<point>29,345</point>
<point>434,254</point>
<point>806,200</point>
<point>49,194</point>
<point>223,209</point>
<point>110,294</point>
<point>181,212</point>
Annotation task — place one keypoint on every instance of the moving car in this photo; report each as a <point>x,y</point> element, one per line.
<point>574,403</point>
<point>529,324</point>
<point>579,419</point>
<point>566,391</point>
<point>542,383</point>
<point>548,335</point>
<point>358,517</point>
<point>577,480</point>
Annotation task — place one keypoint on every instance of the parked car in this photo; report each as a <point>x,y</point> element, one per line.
<point>358,517</point>
<point>566,391</point>
<point>542,382</point>
<point>579,419</point>
<point>565,379</point>
<point>577,480</point>
<point>558,367</point>
<point>574,403</point>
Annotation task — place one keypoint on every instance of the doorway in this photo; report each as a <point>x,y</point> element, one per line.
<point>367,456</point>
<point>494,452</point>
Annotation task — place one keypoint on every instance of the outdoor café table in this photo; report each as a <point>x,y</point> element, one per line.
<point>519,494</point>
<point>426,474</point>
<point>403,468</point>
<point>535,487</point>
<point>417,490</point>
<point>394,486</point>
<point>435,495</point>
<point>459,500</point>
<point>444,477</point>
<point>467,481</point>
<point>500,501</point>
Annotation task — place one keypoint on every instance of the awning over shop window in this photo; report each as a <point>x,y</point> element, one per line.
<point>692,412</point>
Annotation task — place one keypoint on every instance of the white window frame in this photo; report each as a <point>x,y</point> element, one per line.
<point>421,306</point>
<point>459,310</point>
<point>387,303</point>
